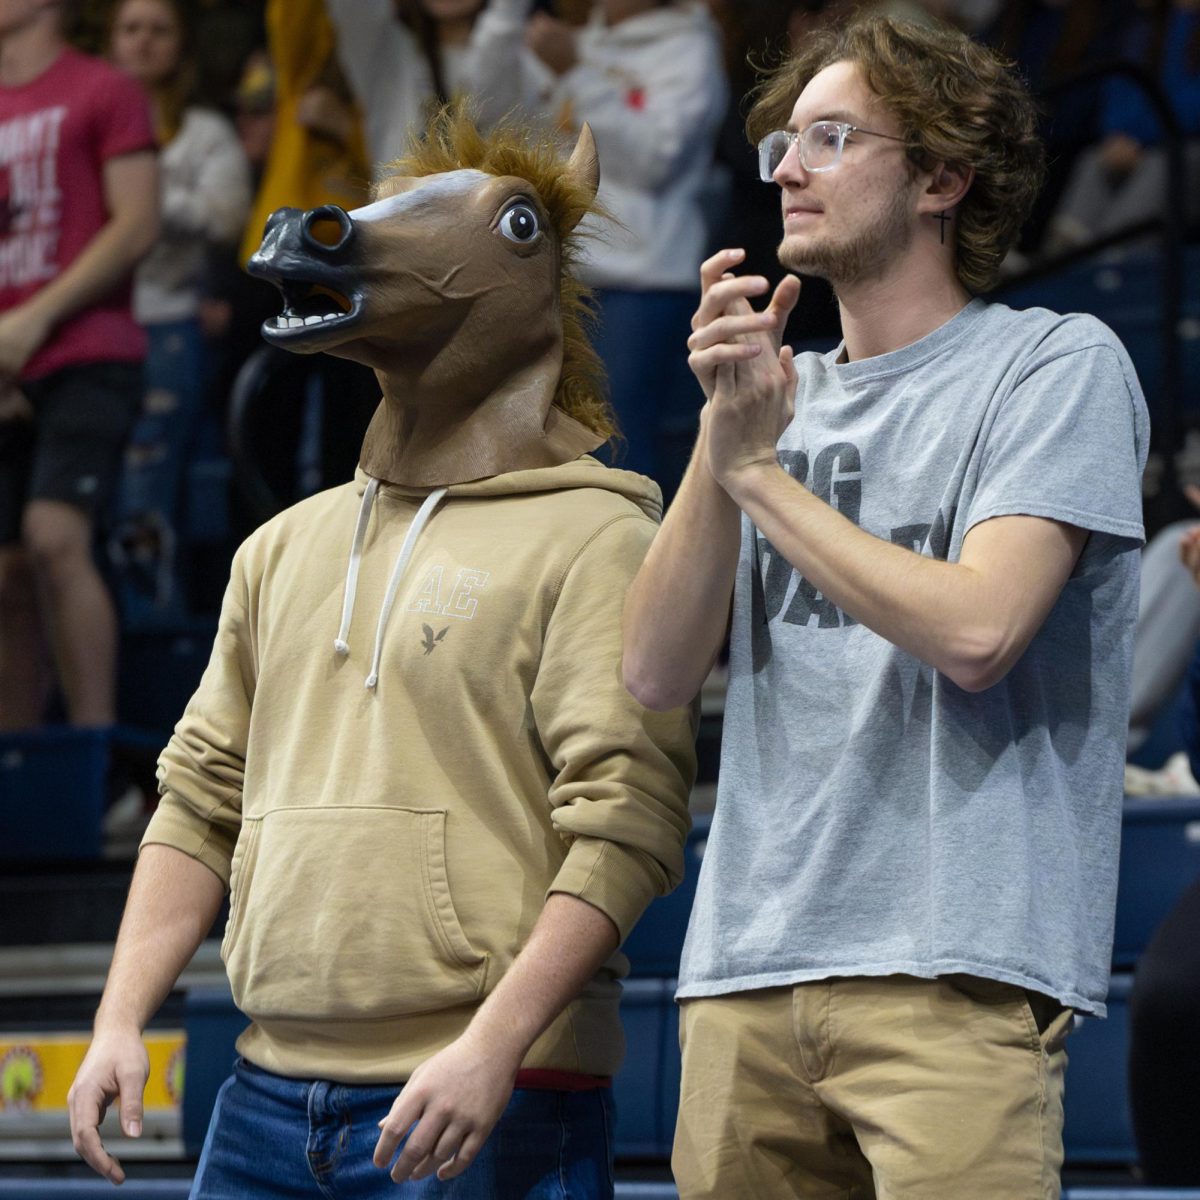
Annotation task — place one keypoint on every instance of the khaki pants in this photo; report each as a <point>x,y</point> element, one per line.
<point>892,1088</point>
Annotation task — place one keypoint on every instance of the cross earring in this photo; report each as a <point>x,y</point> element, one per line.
<point>943,218</point>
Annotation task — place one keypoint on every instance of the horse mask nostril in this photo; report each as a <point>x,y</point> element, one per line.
<point>326,228</point>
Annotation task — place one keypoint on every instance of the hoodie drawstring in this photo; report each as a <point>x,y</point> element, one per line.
<point>410,540</point>
<point>360,533</point>
<point>406,550</point>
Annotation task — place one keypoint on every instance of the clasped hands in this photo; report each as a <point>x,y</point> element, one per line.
<point>747,376</point>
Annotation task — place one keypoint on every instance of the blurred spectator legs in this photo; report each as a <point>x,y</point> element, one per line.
<point>58,474</point>
<point>1167,629</point>
<point>147,524</point>
<point>80,619</point>
<point>1095,204</point>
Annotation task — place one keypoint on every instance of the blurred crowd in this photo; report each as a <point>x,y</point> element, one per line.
<point>250,107</point>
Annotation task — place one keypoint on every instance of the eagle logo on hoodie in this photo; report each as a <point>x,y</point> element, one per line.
<point>432,639</point>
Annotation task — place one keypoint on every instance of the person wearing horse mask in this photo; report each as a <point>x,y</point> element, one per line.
<point>412,757</point>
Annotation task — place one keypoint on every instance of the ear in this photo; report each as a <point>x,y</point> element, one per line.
<point>948,184</point>
<point>584,163</point>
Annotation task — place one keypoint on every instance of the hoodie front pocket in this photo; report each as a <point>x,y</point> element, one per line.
<point>345,913</point>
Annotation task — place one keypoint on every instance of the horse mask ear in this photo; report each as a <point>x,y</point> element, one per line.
<point>584,165</point>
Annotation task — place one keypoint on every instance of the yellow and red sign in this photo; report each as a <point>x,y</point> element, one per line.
<point>36,1069</point>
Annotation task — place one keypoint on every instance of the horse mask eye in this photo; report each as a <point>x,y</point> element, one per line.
<point>520,224</point>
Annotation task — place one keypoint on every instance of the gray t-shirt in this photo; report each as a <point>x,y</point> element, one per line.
<point>872,817</point>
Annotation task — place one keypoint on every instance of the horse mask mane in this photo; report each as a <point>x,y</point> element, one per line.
<point>456,285</point>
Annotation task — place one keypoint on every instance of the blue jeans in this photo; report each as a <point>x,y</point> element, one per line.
<point>147,520</point>
<point>174,380</point>
<point>296,1139</point>
<point>642,338</point>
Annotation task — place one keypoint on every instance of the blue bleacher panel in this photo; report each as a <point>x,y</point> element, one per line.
<point>1125,291</point>
<point>52,785</point>
<point>212,1024</point>
<point>159,671</point>
<point>654,945</point>
<point>666,1191</point>
<point>177,1189</point>
<point>642,1120</point>
<point>1160,858</point>
<point>1098,1126</point>
<point>206,503</point>
<point>1118,1192</point>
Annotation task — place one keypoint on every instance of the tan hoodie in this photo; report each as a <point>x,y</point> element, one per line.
<point>412,728</point>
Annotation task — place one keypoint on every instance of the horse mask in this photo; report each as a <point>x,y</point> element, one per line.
<point>454,285</point>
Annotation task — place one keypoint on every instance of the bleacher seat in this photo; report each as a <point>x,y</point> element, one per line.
<point>1125,292</point>
<point>1131,1193</point>
<point>159,671</point>
<point>1160,858</point>
<point>654,946</point>
<point>1098,1127</point>
<point>206,500</point>
<point>52,793</point>
<point>646,1090</point>
<point>212,1024</point>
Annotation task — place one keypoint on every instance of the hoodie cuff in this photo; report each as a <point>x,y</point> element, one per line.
<point>175,825</point>
<point>617,880</point>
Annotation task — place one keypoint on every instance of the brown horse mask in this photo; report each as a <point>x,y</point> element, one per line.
<point>449,285</point>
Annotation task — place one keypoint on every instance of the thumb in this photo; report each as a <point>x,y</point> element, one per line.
<point>783,300</point>
<point>788,363</point>
<point>787,360</point>
<point>132,1084</point>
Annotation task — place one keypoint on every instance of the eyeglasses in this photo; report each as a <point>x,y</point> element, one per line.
<point>819,146</point>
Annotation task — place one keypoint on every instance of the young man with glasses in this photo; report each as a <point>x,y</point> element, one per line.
<point>929,539</point>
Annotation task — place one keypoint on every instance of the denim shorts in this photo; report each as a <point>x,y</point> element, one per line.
<point>277,1137</point>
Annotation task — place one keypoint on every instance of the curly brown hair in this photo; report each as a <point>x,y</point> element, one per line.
<point>454,142</point>
<point>957,102</point>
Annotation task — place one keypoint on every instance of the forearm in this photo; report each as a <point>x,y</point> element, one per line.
<point>173,901</point>
<point>677,608</point>
<point>568,945</point>
<point>106,260</point>
<point>938,611</point>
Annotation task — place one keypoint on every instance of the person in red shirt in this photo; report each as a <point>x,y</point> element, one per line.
<point>78,208</point>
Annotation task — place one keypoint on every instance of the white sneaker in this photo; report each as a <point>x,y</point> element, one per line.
<point>1173,778</point>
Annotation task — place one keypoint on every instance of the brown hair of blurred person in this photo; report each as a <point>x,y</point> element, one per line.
<point>151,40</point>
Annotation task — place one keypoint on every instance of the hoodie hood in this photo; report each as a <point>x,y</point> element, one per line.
<point>585,472</point>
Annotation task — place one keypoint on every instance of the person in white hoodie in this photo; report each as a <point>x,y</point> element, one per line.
<point>403,58</point>
<point>649,79</point>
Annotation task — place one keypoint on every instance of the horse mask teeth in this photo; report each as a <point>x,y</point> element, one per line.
<point>450,285</point>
